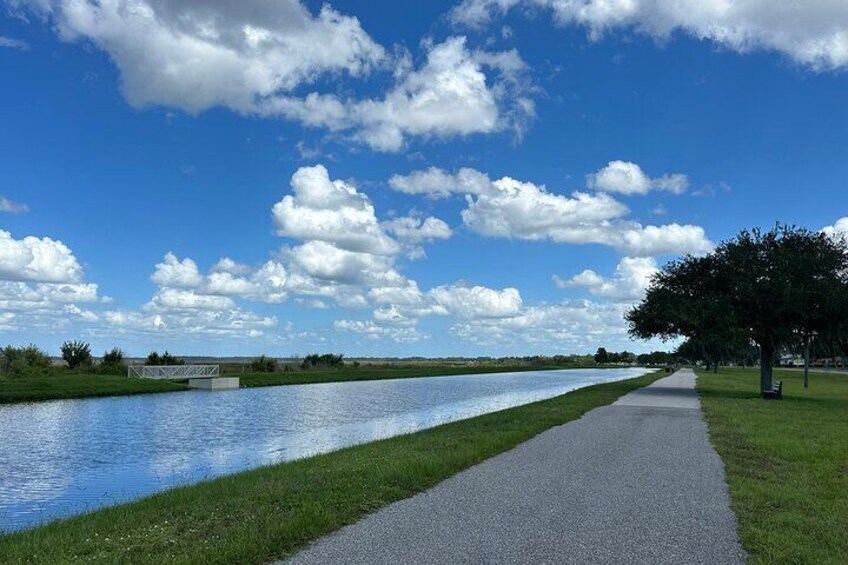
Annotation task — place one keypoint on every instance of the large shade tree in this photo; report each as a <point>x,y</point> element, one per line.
<point>766,287</point>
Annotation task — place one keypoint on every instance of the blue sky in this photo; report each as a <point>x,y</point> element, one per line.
<point>487,177</point>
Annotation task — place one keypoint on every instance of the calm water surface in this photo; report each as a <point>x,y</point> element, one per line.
<point>64,457</point>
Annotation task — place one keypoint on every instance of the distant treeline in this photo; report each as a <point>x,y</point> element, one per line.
<point>32,361</point>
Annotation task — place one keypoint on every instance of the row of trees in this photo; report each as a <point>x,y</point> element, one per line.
<point>654,358</point>
<point>31,361</point>
<point>153,358</point>
<point>775,290</point>
<point>603,356</point>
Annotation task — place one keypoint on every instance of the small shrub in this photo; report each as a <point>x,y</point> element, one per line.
<point>112,363</point>
<point>165,359</point>
<point>327,360</point>
<point>27,361</point>
<point>263,364</point>
<point>76,354</point>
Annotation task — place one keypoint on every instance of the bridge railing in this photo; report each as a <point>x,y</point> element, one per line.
<point>173,371</point>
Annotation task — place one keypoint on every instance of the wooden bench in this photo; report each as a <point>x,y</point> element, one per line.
<point>776,392</point>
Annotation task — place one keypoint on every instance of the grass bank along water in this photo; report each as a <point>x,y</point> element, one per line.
<point>268,513</point>
<point>786,462</point>
<point>65,384</point>
<point>161,441</point>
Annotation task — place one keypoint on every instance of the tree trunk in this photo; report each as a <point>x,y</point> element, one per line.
<point>766,357</point>
<point>715,367</point>
<point>807,363</point>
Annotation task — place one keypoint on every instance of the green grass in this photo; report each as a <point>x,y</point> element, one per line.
<point>268,513</point>
<point>79,385</point>
<point>786,462</point>
<point>374,373</point>
<point>72,385</point>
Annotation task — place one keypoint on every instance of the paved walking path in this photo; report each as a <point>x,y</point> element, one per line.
<point>634,482</point>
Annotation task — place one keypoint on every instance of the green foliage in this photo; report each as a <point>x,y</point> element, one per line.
<point>656,358</point>
<point>263,364</point>
<point>29,361</point>
<point>114,357</point>
<point>762,287</point>
<point>327,361</point>
<point>66,384</point>
<point>153,358</point>
<point>601,356</point>
<point>112,363</point>
<point>604,356</point>
<point>76,354</point>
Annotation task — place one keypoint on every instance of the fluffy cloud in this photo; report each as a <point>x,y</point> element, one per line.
<point>252,56</point>
<point>814,32</point>
<point>522,210</point>
<point>448,96</point>
<point>374,331</point>
<point>41,286</point>
<point>173,272</point>
<point>838,229</point>
<point>38,260</point>
<point>12,207</point>
<point>195,56</point>
<point>331,211</point>
<point>477,302</point>
<point>631,279</point>
<point>21,296</point>
<point>628,178</point>
<point>436,183</point>
<point>325,261</point>
<point>345,249</point>
<point>230,323</point>
<point>170,299</point>
<point>415,229</point>
<point>570,326</point>
<point>227,265</point>
<point>669,239</point>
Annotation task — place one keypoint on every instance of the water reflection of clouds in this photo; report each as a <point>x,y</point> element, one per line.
<point>69,456</point>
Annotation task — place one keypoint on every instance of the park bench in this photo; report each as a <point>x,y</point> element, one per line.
<point>776,392</point>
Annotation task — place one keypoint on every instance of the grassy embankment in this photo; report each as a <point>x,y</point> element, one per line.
<point>786,462</point>
<point>78,385</point>
<point>75,385</point>
<point>268,513</point>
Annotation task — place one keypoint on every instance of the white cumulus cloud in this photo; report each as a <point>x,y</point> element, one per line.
<point>331,211</point>
<point>838,229</point>
<point>37,259</point>
<point>812,32</point>
<point>173,272</point>
<point>631,279</point>
<point>515,209</point>
<point>477,301</point>
<point>629,178</point>
<point>197,55</point>
<point>449,96</point>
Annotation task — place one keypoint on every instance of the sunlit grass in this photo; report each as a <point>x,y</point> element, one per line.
<point>74,385</point>
<point>786,461</point>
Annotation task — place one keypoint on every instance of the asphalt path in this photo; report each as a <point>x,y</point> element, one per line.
<point>634,482</point>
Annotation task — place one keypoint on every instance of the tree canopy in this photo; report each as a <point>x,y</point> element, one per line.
<point>768,288</point>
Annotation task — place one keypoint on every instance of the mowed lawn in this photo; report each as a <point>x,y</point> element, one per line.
<point>257,516</point>
<point>74,385</point>
<point>786,462</point>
